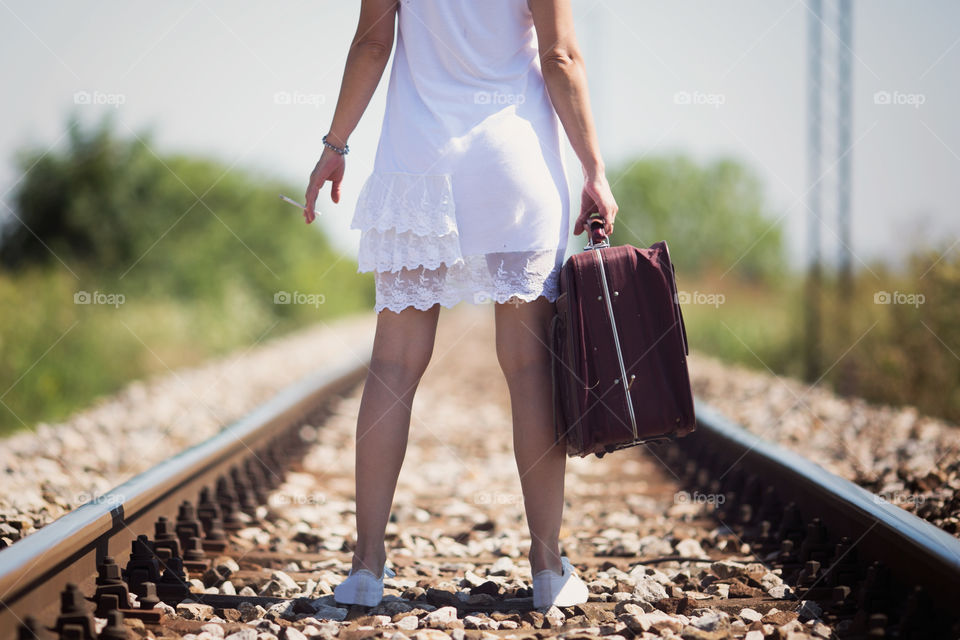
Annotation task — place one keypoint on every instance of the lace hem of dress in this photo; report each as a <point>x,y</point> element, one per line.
<point>390,250</point>
<point>406,202</point>
<point>409,240</point>
<point>494,277</point>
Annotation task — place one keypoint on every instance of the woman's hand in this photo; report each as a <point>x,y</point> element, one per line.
<point>596,198</point>
<point>329,167</point>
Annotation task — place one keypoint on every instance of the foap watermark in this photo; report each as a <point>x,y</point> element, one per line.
<point>498,97</point>
<point>300,500</point>
<point>715,100</point>
<point>99,297</point>
<point>899,498</point>
<point>109,499</point>
<point>299,98</point>
<point>899,98</point>
<point>700,297</point>
<point>99,97</point>
<point>496,497</point>
<point>685,497</point>
<point>899,297</point>
<point>298,297</point>
<point>485,297</point>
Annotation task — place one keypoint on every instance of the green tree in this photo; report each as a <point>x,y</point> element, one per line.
<point>713,216</point>
<point>197,249</point>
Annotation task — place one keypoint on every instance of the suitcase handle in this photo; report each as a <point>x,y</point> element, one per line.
<point>598,237</point>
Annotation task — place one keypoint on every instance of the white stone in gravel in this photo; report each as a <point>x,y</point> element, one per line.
<point>726,569</point>
<point>228,589</point>
<point>473,579</point>
<point>408,623</point>
<point>602,585</point>
<point>780,591</point>
<point>708,621</point>
<point>554,617</point>
<point>770,580</point>
<point>753,635</point>
<point>750,615</point>
<point>398,635</point>
<point>476,622</point>
<point>634,622</point>
<point>690,548</point>
<point>282,610</point>
<point>635,608</point>
<point>289,584</point>
<point>267,636</point>
<point>194,611</point>
<point>721,590</point>
<point>292,633</point>
<point>503,566</point>
<point>430,634</point>
<point>247,591</point>
<point>314,627</point>
<point>323,588</point>
<point>164,608</point>
<point>249,611</point>
<point>226,565</point>
<point>243,634</point>
<point>214,630</point>
<point>660,621</point>
<point>442,617</point>
<point>648,589</point>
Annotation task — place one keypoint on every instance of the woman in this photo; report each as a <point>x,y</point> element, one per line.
<point>468,200</point>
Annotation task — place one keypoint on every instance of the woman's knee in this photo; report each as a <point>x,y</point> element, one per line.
<point>403,345</point>
<point>400,369</point>
<point>522,340</point>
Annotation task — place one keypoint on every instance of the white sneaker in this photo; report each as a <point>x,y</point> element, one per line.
<point>562,590</point>
<point>362,588</point>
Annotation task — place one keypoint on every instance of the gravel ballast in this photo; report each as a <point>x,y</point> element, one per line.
<point>907,459</point>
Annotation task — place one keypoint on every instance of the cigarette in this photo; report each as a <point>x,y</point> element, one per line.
<point>294,202</point>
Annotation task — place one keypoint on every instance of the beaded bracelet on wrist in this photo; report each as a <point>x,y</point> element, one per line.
<point>342,151</point>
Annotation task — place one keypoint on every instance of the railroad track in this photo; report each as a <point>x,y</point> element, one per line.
<point>717,535</point>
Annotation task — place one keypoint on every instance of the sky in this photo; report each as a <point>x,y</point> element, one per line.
<point>204,75</point>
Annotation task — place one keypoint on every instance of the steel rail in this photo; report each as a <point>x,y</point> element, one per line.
<point>916,551</point>
<point>34,571</point>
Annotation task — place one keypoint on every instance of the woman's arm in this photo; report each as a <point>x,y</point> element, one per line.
<point>566,80</point>
<point>366,61</point>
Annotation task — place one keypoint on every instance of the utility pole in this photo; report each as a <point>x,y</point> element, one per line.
<point>812,321</point>
<point>845,382</point>
<point>829,119</point>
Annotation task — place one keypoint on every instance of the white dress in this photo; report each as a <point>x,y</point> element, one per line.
<point>468,199</point>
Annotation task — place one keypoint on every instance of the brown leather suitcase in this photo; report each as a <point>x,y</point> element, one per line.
<point>619,349</point>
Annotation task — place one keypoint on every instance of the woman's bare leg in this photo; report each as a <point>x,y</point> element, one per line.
<point>402,348</point>
<point>524,356</point>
